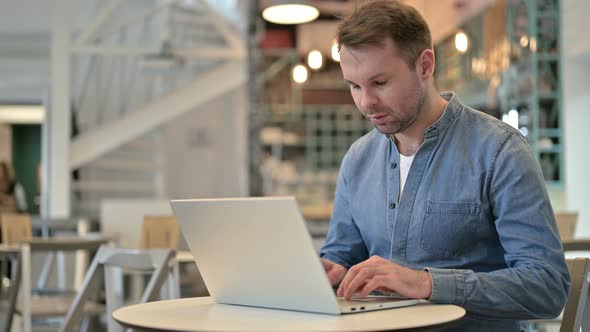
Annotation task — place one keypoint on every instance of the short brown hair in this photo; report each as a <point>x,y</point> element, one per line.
<point>371,21</point>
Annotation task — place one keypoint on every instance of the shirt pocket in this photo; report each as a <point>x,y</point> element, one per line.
<point>449,228</point>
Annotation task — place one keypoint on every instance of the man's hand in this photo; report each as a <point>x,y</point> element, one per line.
<point>334,271</point>
<point>377,273</point>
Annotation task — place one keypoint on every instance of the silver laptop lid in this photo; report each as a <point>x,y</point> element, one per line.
<point>256,252</point>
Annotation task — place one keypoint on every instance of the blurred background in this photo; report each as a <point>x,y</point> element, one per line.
<point>106,102</point>
<point>109,108</point>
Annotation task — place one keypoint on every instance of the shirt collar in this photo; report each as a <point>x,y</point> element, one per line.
<point>449,115</point>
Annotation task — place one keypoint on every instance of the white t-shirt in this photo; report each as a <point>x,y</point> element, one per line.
<point>404,168</point>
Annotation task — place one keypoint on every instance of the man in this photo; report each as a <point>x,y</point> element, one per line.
<point>439,201</point>
<point>12,193</point>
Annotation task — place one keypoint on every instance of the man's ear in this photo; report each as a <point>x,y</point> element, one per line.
<point>425,64</point>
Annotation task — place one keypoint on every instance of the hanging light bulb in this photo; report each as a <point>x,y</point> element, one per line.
<point>315,59</point>
<point>299,74</point>
<point>461,42</point>
<point>533,44</point>
<point>290,12</point>
<point>335,54</point>
<point>524,41</point>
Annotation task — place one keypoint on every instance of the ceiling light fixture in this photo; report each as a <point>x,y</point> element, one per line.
<point>461,42</point>
<point>22,114</point>
<point>335,52</point>
<point>315,60</point>
<point>300,74</point>
<point>290,12</point>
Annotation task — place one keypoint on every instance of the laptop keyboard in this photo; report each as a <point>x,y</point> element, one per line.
<point>368,299</point>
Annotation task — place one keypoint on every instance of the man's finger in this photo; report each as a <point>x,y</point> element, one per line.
<point>375,283</point>
<point>350,275</point>
<point>333,277</point>
<point>361,278</point>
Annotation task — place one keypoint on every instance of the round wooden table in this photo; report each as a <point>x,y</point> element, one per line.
<point>203,314</point>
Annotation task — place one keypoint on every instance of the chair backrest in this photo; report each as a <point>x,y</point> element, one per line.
<point>9,309</point>
<point>55,244</point>
<point>566,224</point>
<point>159,232</point>
<point>576,303</point>
<point>107,259</point>
<point>15,228</point>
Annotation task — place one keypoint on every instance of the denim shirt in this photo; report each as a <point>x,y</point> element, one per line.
<point>474,212</point>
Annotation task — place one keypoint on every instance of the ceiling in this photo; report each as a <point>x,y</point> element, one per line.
<point>443,17</point>
<point>25,27</point>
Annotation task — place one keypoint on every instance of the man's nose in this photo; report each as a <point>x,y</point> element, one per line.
<point>368,100</point>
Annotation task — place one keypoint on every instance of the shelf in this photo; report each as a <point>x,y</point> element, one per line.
<point>547,57</point>
<point>290,145</point>
<point>554,184</point>
<point>548,14</point>
<point>554,149</point>
<point>550,132</point>
<point>548,95</point>
<point>544,100</point>
<point>328,85</point>
<point>317,212</point>
<point>278,52</point>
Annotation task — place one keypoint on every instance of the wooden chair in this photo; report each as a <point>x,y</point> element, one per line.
<point>576,312</point>
<point>8,308</point>
<point>158,232</point>
<point>104,267</point>
<point>16,228</point>
<point>53,304</point>
<point>566,224</point>
<point>161,232</point>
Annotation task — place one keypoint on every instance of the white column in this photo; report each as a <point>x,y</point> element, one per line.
<point>241,131</point>
<point>576,103</point>
<point>56,133</point>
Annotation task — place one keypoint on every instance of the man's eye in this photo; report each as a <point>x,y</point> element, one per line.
<point>380,82</point>
<point>354,87</point>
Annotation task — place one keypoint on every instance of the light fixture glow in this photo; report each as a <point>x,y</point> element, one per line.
<point>290,13</point>
<point>335,54</point>
<point>315,59</point>
<point>478,65</point>
<point>299,74</point>
<point>533,44</point>
<point>524,41</point>
<point>461,42</point>
<point>22,114</point>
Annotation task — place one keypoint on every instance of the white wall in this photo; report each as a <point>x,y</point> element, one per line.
<point>576,80</point>
<point>206,150</point>
<point>25,40</point>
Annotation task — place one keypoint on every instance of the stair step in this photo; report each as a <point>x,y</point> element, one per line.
<point>141,144</point>
<point>113,186</point>
<point>127,154</point>
<point>123,165</point>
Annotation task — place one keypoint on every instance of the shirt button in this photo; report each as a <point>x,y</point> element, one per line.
<point>392,205</point>
<point>393,165</point>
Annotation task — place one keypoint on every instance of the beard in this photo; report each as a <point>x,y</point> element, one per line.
<point>400,119</point>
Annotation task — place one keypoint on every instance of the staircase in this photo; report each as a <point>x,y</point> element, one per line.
<point>136,66</point>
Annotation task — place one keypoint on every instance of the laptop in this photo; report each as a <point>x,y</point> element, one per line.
<point>258,252</point>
